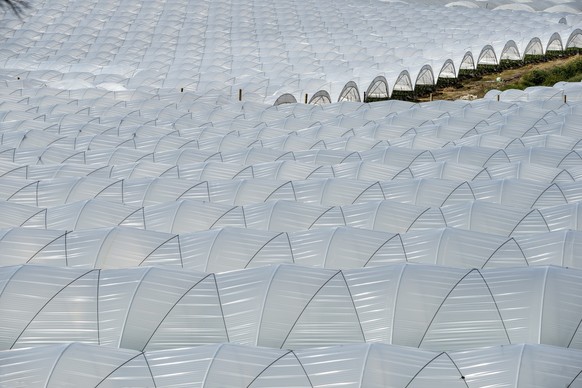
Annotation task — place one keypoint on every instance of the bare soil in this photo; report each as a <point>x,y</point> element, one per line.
<point>477,87</point>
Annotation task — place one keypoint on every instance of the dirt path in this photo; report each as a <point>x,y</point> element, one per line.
<point>477,87</point>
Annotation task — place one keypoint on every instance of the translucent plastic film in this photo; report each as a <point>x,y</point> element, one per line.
<point>225,249</point>
<point>430,307</point>
<point>370,365</point>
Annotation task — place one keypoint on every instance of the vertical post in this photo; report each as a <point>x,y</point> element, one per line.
<point>181,90</point>
<point>240,94</point>
<point>565,99</point>
<point>498,97</point>
<point>306,95</point>
<point>365,97</point>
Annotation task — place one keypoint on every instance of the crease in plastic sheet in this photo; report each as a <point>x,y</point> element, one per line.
<point>291,170</point>
<point>225,249</point>
<point>431,307</point>
<point>326,192</point>
<point>370,365</point>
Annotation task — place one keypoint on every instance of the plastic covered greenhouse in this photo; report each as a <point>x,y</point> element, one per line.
<point>229,194</point>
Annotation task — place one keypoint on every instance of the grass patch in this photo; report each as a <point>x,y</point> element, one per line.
<point>533,70</point>
<point>570,71</point>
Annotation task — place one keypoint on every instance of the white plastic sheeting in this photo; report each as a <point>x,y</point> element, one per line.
<point>369,365</point>
<point>228,249</point>
<point>290,306</point>
<point>286,216</point>
<point>292,170</point>
<point>272,50</point>
<point>124,149</point>
<point>328,192</point>
<point>107,182</point>
<point>125,143</point>
<point>397,157</point>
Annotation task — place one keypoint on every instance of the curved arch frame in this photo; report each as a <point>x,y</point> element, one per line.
<point>555,43</point>
<point>448,70</point>
<point>575,39</point>
<point>468,62</point>
<point>350,92</point>
<point>425,76</point>
<point>534,47</point>
<point>510,52</point>
<point>403,82</point>
<point>286,98</point>
<point>487,56</point>
<point>378,88</point>
<point>320,97</point>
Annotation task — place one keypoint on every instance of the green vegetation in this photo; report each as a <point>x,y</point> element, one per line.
<point>571,72</point>
<point>533,70</point>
